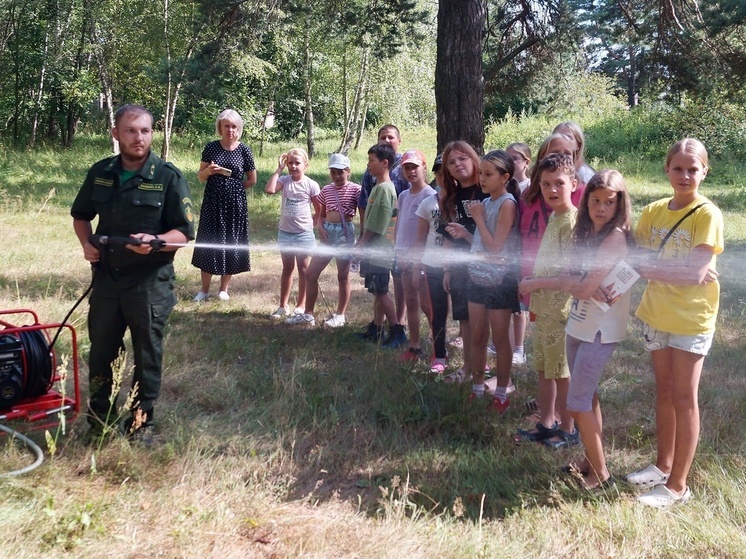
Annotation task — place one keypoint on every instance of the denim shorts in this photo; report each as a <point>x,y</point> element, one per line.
<point>658,339</point>
<point>340,235</point>
<point>302,243</point>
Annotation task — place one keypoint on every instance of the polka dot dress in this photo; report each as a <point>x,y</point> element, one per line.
<point>224,218</point>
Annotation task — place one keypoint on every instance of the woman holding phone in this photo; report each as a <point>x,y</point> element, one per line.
<point>228,167</point>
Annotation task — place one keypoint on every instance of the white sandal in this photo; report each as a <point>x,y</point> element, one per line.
<point>459,377</point>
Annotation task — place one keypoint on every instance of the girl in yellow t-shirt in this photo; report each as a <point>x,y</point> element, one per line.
<point>679,308</point>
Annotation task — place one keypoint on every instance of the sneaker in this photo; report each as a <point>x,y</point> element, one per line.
<point>491,349</point>
<point>397,337</point>
<point>299,310</point>
<point>201,296</point>
<point>223,296</point>
<point>412,354</point>
<point>280,314</point>
<point>145,435</point>
<point>307,319</point>
<point>519,358</point>
<point>661,497</point>
<point>490,385</point>
<point>500,407</point>
<point>335,321</point>
<point>372,333</point>
<point>475,397</point>
<point>648,478</point>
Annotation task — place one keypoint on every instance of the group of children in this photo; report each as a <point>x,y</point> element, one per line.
<point>498,237</point>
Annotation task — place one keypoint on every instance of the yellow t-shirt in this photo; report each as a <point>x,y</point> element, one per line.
<point>686,310</point>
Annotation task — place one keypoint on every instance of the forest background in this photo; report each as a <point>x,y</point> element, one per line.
<point>279,442</point>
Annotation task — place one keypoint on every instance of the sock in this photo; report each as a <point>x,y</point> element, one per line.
<point>441,360</point>
<point>478,390</point>
<point>518,349</point>
<point>501,393</point>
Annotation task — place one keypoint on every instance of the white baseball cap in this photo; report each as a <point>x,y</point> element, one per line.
<point>339,161</point>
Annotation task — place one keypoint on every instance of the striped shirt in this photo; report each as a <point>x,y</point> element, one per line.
<point>348,197</point>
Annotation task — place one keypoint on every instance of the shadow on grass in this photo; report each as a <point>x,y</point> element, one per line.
<point>343,419</point>
<point>351,420</point>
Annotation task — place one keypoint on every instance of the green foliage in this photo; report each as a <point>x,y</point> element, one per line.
<point>647,131</point>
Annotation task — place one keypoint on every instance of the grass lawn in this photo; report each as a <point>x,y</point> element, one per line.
<point>278,441</point>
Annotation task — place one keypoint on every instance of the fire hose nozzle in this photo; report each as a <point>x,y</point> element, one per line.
<point>105,240</point>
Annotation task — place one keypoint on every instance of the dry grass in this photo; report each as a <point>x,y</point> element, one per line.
<point>280,442</point>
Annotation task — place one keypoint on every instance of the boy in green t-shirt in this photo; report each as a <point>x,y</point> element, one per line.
<point>550,302</point>
<point>378,255</point>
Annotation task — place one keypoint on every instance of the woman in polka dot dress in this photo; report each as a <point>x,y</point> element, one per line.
<point>228,167</point>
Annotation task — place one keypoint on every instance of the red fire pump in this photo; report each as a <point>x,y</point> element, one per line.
<point>31,387</point>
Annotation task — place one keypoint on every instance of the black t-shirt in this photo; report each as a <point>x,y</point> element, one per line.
<point>465,197</point>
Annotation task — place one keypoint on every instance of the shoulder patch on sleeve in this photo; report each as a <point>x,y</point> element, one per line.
<point>187,203</point>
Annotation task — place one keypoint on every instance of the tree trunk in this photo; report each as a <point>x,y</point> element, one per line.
<point>40,92</point>
<point>459,83</point>
<point>361,127</point>
<point>174,83</point>
<point>169,81</point>
<point>631,79</point>
<point>357,103</point>
<point>310,129</point>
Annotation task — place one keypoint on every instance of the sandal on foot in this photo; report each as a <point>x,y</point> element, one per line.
<point>648,478</point>
<point>459,377</point>
<point>565,439</point>
<point>539,433</point>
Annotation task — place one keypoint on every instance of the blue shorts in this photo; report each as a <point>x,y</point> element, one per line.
<point>298,243</point>
<point>340,235</point>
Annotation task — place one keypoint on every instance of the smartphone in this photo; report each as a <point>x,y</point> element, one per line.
<point>223,171</point>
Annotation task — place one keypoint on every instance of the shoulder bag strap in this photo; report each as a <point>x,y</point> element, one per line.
<point>671,231</point>
<point>341,211</point>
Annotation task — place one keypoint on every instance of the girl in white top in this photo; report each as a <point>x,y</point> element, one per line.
<point>601,240</point>
<point>295,235</point>
<point>414,284</point>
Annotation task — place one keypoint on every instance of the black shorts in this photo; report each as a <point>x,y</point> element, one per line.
<point>504,296</point>
<point>376,278</point>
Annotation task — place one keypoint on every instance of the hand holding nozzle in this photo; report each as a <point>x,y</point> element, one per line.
<point>154,243</point>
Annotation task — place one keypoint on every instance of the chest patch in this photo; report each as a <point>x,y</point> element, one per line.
<point>150,186</point>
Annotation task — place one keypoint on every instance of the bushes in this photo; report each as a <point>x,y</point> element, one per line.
<point>646,131</point>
